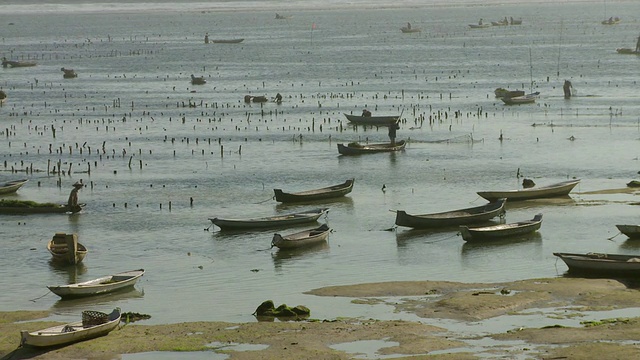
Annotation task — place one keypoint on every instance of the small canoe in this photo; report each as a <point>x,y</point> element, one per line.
<point>65,248</point>
<point>480,26</point>
<point>227,41</point>
<point>302,239</point>
<point>102,285</point>
<point>602,264</point>
<point>408,30</point>
<point>632,231</point>
<point>452,218</point>
<point>26,208</point>
<point>502,230</point>
<point>14,63</point>
<point>90,327</point>
<point>519,100</point>
<point>358,149</point>
<point>69,73</point>
<point>198,80</point>
<point>548,191</point>
<point>270,221</point>
<point>372,120</point>
<point>12,186</point>
<point>317,194</point>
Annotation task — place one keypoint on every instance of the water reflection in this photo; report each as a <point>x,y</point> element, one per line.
<point>631,246</point>
<point>71,273</point>
<point>281,257</point>
<point>344,202</point>
<point>506,244</point>
<point>84,303</point>
<point>538,203</point>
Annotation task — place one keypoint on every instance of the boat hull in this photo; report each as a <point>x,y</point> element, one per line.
<point>301,239</point>
<point>103,285</point>
<point>602,264</point>
<point>269,222</point>
<point>12,186</point>
<point>372,120</point>
<point>65,248</point>
<point>501,231</point>
<point>452,218</point>
<point>351,149</point>
<point>632,231</point>
<point>56,335</point>
<point>553,190</point>
<point>330,192</point>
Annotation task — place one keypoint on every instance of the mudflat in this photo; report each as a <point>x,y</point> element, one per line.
<point>554,318</point>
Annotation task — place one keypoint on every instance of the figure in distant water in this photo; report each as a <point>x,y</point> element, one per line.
<point>409,25</point>
<point>366,113</point>
<point>72,203</point>
<point>206,38</point>
<point>567,89</point>
<point>392,132</point>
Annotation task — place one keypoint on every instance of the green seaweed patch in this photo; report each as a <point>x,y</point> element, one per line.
<point>24,204</point>
<point>129,317</point>
<point>605,321</point>
<point>268,312</point>
<point>556,326</point>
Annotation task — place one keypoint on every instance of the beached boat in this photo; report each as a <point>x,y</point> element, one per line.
<point>502,230</point>
<point>65,248</point>
<point>372,120</point>
<point>452,218</point>
<point>519,100</point>
<point>317,194</point>
<point>355,148</point>
<point>12,186</point>
<point>94,324</point>
<point>602,264</point>
<point>69,73</point>
<point>632,231</point>
<point>17,207</point>
<point>102,285</point>
<point>15,63</point>
<point>198,80</point>
<point>302,239</point>
<point>554,190</point>
<point>227,41</point>
<point>269,221</point>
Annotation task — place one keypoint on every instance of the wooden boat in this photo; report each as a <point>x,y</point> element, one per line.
<point>632,231</point>
<point>11,207</point>
<point>504,22</point>
<point>502,230</point>
<point>452,218</point>
<point>102,285</point>
<point>372,120</point>
<point>227,41</point>
<point>12,186</point>
<point>198,80</point>
<point>519,100</point>
<point>602,264</point>
<point>283,17</point>
<point>628,51</point>
<point>317,194</point>
<point>69,73</point>
<point>408,30</point>
<point>513,21</point>
<point>355,148</point>
<point>610,21</point>
<point>66,248</point>
<point>480,26</point>
<point>270,221</point>
<point>94,324</point>
<point>501,92</point>
<point>553,190</point>
<point>3,97</point>
<point>14,63</point>
<point>301,239</point>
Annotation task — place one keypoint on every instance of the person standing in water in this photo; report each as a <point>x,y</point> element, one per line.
<point>72,203</point>
<point>393,127</point>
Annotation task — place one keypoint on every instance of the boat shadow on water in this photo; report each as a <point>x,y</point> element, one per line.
<point>343,202</point>
<point>431,235</point>
<point>283,256</point>
<point>76,305</point>
<point>478,247</point>
<point>69,271</point>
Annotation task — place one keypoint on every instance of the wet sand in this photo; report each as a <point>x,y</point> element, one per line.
<point>454,305</point>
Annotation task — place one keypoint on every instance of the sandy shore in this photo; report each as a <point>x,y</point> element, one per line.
<point>452,321</point>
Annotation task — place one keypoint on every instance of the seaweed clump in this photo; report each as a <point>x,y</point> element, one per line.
<point>267,311</point>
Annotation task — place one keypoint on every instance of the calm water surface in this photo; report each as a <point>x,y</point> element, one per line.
<point>124,127</point>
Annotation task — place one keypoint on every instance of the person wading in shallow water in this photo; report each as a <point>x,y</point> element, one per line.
<point>72,203</point>
<point>392,132</point>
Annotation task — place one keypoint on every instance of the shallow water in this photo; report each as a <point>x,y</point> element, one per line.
<point>122,129</point>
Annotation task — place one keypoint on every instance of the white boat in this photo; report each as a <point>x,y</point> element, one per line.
<point>12,186</point>
<point>102,285</point>
<point>269,221</point>
<point>602,264</point>
<point>69,333</point>
<point>554,190</point>
<point>501,230</point>
<point>301,239</point>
